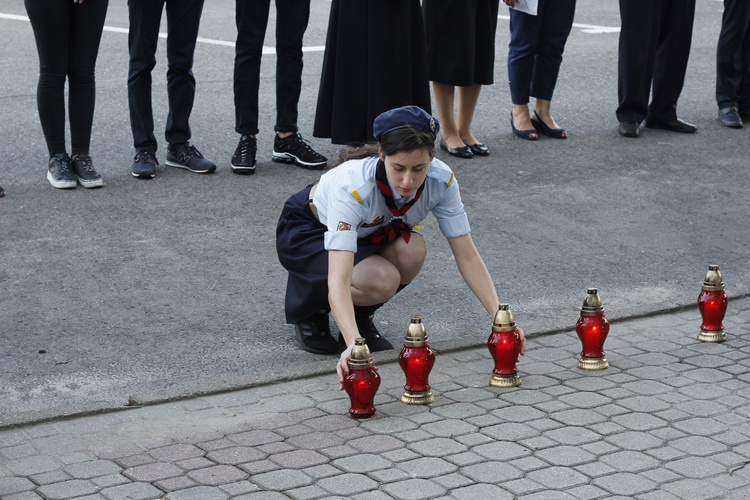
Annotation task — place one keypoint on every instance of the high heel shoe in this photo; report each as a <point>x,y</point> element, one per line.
<point>530,135</point>
<point>462,152</point>
<point>542,128</point>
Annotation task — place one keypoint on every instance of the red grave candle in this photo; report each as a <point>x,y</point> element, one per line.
<point>712,303</point>
<point>416,360</point>
<point>362,382</point>
<point>504,344</point>
<point>592,328</point>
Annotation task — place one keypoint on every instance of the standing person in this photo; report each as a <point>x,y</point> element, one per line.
<point>291,22</point>
<point>535,54</point>
<point>183,20</point>
<point>655,39</point>
<point>67,34</point>
<point>349,241</point>
<point>461,53</point>
<point>733,64</point>
<point>365,36</point>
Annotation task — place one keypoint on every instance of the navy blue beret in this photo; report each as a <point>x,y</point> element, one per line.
<point>406,116</point>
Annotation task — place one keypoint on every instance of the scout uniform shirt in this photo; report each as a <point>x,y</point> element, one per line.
<point>351,206</point>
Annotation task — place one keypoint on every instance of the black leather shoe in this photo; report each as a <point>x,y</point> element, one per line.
<point>479,149</point>
<point>462,152</point>
<point>630,129</point>
<point>675,125</point>
<point>730,117</point>
<point>375,342</point>
<point>315,335</point>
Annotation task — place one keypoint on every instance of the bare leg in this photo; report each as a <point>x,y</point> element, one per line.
<point>444,99</point>
<point>521,117</point>
<point>467,104</point>
<point>543,110</point>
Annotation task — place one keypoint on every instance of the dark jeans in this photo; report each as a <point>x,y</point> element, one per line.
<point>183,21</point>
<point>291,22</point>
<point>536,49</point>
<point>733,56</point>
<point>67,39</point>
<point>653,53</point>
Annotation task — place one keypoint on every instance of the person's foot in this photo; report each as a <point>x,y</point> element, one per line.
<point>188,157</point>
<point>59,173</point>
<point>730,117</point>
<point>675,125</point>
<point>144,165</point>
<point>630,129</point>
<point>84,170</point>
<point>243,161</point>
<point>314,334</point>
<point>375,342</point>
<point>459,152</point>
<point>295,150</point>
<point>2,192</point>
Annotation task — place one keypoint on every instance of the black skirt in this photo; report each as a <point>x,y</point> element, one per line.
<point>375,60</point>
<point>461,40</point>
<point>299,245</point>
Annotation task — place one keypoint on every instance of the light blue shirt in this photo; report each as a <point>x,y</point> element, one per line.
<point>351,206</point>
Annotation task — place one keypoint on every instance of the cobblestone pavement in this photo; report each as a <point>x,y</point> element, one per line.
<point>669,419</point>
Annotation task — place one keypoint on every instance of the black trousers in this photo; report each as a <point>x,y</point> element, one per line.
<point>654,48</point>
<point>536,48</point>
<point>291,22</point>
<point>183,21</point>
<point>67,38</point>
<point>733,56</point>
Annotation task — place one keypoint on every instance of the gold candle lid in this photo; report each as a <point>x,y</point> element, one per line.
<point>713,280</point>
<point>361,357</point>
<point>416,335</point>
<point>592,304</point>
<point>504,320</point>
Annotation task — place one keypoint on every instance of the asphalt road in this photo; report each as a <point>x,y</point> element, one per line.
<point>150,290</point>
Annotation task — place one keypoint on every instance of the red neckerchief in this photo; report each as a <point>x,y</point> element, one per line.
<point>397,226</point>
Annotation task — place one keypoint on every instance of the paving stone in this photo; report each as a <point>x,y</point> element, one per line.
<point>695,467</point>
<point>20,451</point>
<point>527,464</point>
<point>33,465</point>
<point>259,466</point>
<point>236,455</point>
<point>383,476</point>
<point>630,461</point>
<point>176,483</point>
<point>400,455</point>
<point>255,438</point>
<point>695,489</point>
<point>413,436</point>
<point>465,458</point>
<point>156,471</point>
<point>572,435</point>
<point>637,441</point>
<point>9,485</point>
<point>473,439</point>
<point>566,456</point>
<point>56,476</point>
<point>283,479</point>
<point>299,459</point>
<point>198,493</point>
<point>376,444</point>
<point>452,481</point>
<point>362,463</point>
<point>595,469</point>
<point>523,486</point>
<point>519,414</point>
<point>666,453</point>
<point>414,489</point>
<point>661,475</point>
<point>30,495</point>
<point>698,445</point>
<point>587,491</point>
<point>701,426</point>
<point>481,491</point>
<point>88,470</point>
<point>67,489</point>
<point>625,483</point>
<point>579,417</point>
<point>501,450</point>
<point>307,492</point>
<point>176,452</point>
<point>239,487</point>
<point>110,480</point>
<point>491,472</point>
<point>134,460</point>
<point>348,484</point>
<point>216,475</point>
<point>427,467</point>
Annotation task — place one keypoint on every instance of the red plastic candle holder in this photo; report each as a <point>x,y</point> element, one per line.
<point>592,328</point>
<point>416,360</point>
<point>504,344</point>
<point>712,303</point>
<point>362,382</point>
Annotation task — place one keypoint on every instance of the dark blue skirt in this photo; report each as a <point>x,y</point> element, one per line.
<point>299,245</point>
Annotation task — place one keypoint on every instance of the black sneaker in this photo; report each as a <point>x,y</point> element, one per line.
<point>315,335</point>
<point>188,157</point>
<point>243,161</point>
<point>2,192</point>
<point>375,342</point>
<point>84,170</point>
<point>144,165</point>
<point>60,174</point>
<point>294,149</point>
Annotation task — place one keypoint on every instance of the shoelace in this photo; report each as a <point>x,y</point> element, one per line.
<point>193,151</point>
<point>303,142</point>
<point>85,163</point>
<point>145,156</point>
<point>246,145</point>
<point>63,165</point>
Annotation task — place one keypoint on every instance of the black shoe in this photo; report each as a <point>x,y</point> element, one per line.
<point>295,150</point>
<point>730,117</point>
<point>315,335</point>
<point>59,173</point>
<point>543,128</point>
<point>2,192</point>
<point>188,157</point>
<point>462,152</point>
<point>479,149</point>
<point>675,125</point>
<point>144,165</point>
<point>529,135</point>
<point>243,161</point>
<point>630,129</point>
<point>375,342</point>
<point>84,170</point>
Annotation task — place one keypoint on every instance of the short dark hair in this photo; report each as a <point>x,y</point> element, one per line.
<point>404,139</point>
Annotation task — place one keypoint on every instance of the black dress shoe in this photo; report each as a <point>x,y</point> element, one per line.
<point>375,342</point>
<point>730,117</point>
<point>479,149</point>
<point>675,125</point>
<point>314,334</point>
<point>630,129</point>
<point>462,152</point>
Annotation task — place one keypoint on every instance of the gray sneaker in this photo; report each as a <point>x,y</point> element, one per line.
<point>188,157</point>
<point>84,170</point>
<point>59,173</point>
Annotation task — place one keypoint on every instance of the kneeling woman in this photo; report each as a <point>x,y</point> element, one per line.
<point>348,241</point>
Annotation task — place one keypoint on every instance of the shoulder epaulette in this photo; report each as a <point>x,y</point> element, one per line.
<point>362,192</point>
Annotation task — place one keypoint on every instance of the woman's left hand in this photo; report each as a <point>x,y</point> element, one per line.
<point>342,367</point>
<point>523,341</point>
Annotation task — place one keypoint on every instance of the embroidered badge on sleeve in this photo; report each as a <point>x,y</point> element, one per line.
<point>344,226</point>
